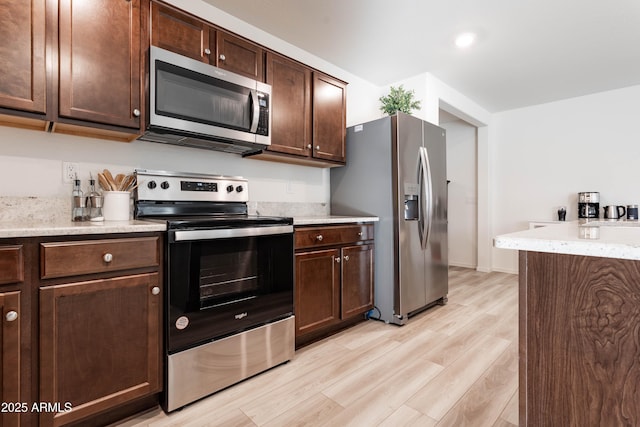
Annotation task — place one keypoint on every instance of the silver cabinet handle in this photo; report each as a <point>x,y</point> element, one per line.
<point>338,259</point>
<point>346,257</point>
<point>317,147</point>
<point>155,290</point>
<point>309,146</point>
<point>107,258</point>
<point>359,233</point>
<point>319,237</point>
<point>11,316</point>
<point>207,51</point>
<point>222,57</point>
<point>136,112</point>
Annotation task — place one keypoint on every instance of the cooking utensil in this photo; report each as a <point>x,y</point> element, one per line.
<point>104,183</point>
<point>110,180</point>
<point>127,183</point>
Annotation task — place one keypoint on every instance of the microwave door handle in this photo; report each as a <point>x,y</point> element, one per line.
<point>253,96</point>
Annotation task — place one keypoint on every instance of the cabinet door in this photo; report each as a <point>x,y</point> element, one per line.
<point>100,61</point>
<point>10,359</point>
<point>180,33</point>
<point>99,344</point>
<point>357,280</point>
<point>329,118</point>
<point>317,290</point>
<point>239,56</point>
<point>22,62</point>
<point>290,105</point>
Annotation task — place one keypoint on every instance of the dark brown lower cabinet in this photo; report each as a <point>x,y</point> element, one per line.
<point>317,290</point>
<point>11,396</point>
<point>334,278</point>
<point>357,280</point>
<point>579,340</point>
<point>99,345</point>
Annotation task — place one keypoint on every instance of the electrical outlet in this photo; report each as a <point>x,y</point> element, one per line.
<point>69,171</point>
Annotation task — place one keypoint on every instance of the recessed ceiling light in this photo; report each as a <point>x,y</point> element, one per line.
<point>465,40</point>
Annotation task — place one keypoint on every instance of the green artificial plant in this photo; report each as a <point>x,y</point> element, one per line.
<point>399,99</point>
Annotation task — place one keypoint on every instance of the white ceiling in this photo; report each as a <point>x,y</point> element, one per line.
<point>528,51</point>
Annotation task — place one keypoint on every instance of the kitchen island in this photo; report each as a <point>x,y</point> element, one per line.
<point>579,323</point>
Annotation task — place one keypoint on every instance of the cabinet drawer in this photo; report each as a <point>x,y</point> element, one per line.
<point>11,264</point>
<point>306,237</point>
<point>60,259</point>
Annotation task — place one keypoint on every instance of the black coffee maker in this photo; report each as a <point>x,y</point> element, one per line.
<point>589,205</point>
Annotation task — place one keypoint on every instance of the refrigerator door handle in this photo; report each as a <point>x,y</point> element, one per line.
<point>426,192</point>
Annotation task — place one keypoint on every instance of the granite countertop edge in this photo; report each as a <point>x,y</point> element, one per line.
<point>16,229</point>
<point>621,241</point>
<point>332,219</point>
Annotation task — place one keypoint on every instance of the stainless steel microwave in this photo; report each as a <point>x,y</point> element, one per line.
<point>198,105</point>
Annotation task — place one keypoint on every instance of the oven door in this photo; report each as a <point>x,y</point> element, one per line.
<point>227,280</point>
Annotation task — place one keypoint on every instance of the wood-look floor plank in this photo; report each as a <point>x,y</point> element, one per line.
<point>441,394</point>
<point>450,365</point>
<point>384,399</point>
<point>405,416</point>
<point>510,413</point>
<point>485,400</point>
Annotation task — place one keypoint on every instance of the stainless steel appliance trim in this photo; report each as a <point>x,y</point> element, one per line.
<point>427,195</point>
<point>188,174</point>
<point>182,235</point>
<point>200,371</point>
<point>256,111</point>
<point>589,197</point>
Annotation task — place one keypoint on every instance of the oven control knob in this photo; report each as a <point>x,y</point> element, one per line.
<point>164,185</point>
<point>152,185</point>
<point>239,189</point>
<point>229,188</point>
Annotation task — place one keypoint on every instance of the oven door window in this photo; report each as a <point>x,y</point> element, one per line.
<point>185,94</point>
<point>227,273</point>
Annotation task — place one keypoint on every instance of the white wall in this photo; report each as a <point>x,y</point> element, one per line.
<point>544,155</point>
<point>462,211</point>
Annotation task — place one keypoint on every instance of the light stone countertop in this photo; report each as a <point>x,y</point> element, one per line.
<point>599,238</point>
<point>35,228</point>
<point>331,219</point>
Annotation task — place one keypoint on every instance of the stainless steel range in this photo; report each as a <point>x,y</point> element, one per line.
<point>228,279</point>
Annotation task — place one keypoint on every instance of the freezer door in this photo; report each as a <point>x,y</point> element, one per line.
<point>410,292</point>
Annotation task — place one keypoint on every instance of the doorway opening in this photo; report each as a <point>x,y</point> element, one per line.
<point>462,172</point>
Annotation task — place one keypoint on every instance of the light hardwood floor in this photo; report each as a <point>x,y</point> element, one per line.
<point>452,365</point>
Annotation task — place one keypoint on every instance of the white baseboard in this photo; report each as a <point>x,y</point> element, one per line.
<point>506,270</point>
<point>461,264</point>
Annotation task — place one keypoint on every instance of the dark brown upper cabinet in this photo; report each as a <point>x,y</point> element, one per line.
<point>290,105</point>
<point>329,118</point>
<point>308,113</point>
<point>179,32</point>
<point>239,56</point>
<point>99,61</point>
<point>22,55</point>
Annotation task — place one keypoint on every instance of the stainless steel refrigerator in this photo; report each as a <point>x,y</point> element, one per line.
<point>396,170</point>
